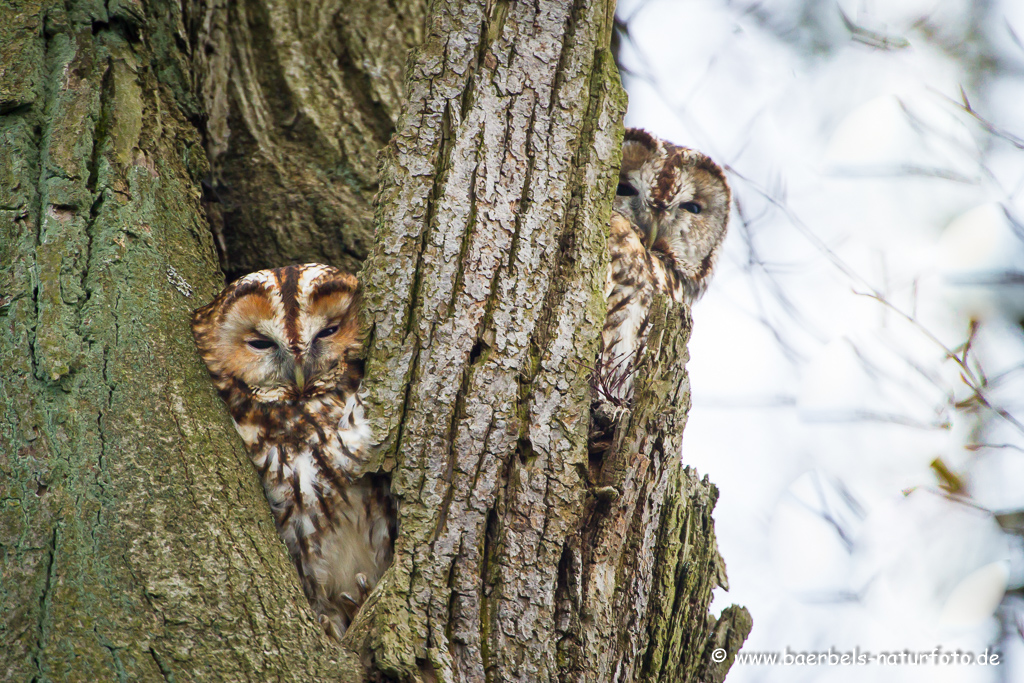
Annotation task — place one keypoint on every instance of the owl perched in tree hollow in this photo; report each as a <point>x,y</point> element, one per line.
<point>671,212</point>
<point>280,347</point>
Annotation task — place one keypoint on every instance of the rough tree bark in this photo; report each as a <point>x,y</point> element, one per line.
<point>298,99</point>
<point>135,544</point>
<point>519,557</point>
<point>135,541</point>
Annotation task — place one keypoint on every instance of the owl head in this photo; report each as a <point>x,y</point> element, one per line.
<point>677,197</point>
<point>282,334</point>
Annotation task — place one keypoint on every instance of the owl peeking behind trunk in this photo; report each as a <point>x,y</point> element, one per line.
<point>671,212</point>
<point>280,345</point>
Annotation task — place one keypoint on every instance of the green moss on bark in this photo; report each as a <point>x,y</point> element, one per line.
<point>135,543</point>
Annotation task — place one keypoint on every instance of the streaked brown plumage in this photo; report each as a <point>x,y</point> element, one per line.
<point>280,347</point>
<point>671,214</point>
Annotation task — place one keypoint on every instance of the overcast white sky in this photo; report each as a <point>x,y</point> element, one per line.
<point>818,409</point>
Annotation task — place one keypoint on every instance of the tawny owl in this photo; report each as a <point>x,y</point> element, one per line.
<point>280,347</point>
<point>671,213</point>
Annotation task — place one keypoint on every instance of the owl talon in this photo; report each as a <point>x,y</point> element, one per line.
<point>364,586</point>
<point>329,627</point>
<point>348,599</point>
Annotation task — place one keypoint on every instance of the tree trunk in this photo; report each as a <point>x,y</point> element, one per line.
<point>519,557</point>
<point>136,542</point>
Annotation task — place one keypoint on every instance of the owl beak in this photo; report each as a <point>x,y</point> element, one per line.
<point>652,236</point>
<point>300,376</point>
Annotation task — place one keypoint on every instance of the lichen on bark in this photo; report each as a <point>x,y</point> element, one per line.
<point>483,305</point>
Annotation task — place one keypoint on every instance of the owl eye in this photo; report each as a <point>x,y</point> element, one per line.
<point>260,343</point>
<point>326,332</point>
<point>626,190</point>
<point>692,207</point>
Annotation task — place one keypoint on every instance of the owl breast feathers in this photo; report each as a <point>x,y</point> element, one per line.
<point>280,347</point>
<point>671,212</point>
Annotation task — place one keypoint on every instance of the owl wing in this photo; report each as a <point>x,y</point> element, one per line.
<point>634,275</point>
<point>629,288</point>
<point>353,553</point>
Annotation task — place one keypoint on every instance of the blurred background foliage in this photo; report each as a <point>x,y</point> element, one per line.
<point>858,364</point>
